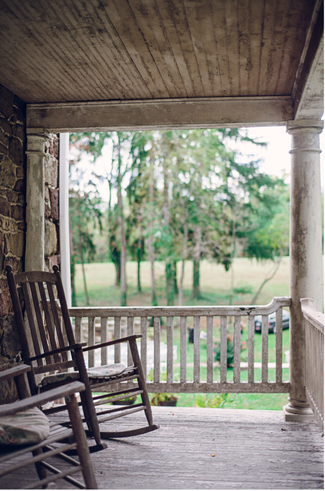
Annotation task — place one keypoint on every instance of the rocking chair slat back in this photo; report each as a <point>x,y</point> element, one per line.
<point>49,345</point>
<point>45,329</point>
<point>48,322</point>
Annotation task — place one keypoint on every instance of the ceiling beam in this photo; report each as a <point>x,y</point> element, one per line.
<point>308,91</point>
<point>310,102</point>
<point>159,114</point>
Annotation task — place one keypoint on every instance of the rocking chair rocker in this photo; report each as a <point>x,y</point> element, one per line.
<point>49,347</point>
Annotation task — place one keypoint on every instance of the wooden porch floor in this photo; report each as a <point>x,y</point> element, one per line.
<point>198,448</point>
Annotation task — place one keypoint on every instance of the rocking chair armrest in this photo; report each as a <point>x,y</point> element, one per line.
<point>110,343</point>
<point>57,351</point>
<point>40,399</point>
<point>14,372</point>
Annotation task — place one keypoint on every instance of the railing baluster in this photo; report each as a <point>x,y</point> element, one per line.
<point>144,331</point>
<point>265,352</point>
<point>77,329</point>
<point>209,349</point>
<point>91,341</point>
<point>250,349</point>
<point>157,349</point>
<point>183,323</point>
<point>278,346</point>
<point>130,331</point>
<point>237,343</point>
<point>197,349</point>
<point>170,349</point>
<point>103,339</point>
<point>117,335</point>
<point>126,319</point>
<point>223,349</point>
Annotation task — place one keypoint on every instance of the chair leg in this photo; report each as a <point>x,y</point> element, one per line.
<point>82,446</point>
<point>88,404</point>
<point>141,381</point>
<point>40,469</point>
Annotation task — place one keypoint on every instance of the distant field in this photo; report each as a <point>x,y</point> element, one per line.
<point>215,283</point>
<point>215,290</point>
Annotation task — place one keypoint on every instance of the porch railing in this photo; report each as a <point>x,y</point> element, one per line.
<point>314,333</point>
<point>169,371</point>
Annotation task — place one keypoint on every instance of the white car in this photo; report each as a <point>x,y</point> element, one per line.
<point>272,322</point>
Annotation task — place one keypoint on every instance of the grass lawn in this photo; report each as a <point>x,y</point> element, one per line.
<point>215,283</point>
<point>215,290</point>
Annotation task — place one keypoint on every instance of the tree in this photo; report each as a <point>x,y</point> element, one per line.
<point>84,210</point>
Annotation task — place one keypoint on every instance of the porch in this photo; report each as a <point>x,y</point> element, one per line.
<point>197,448</point>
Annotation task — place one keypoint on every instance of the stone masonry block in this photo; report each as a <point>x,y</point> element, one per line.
<point>4,206</point>
<point>5,303</point>
<point>15,244</point>
<point>7,224</point>
<point>16,150</point>
<point>16,263</point>
<point>54,199</point>
<point>20,185</point>
<point>9,344</point>
<point>51,240</point>
<point>7,174</point>
<point>17,212</point>
<point>51,171</point>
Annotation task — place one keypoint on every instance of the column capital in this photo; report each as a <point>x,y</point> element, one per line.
<point>312,124</point>
<point>36,143</point>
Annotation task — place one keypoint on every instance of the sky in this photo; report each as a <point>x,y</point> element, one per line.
<point>276,156</point>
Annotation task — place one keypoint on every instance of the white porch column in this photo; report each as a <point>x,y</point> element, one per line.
<point>34,258</point>
<point>64,215</point>
<point>306,270</point>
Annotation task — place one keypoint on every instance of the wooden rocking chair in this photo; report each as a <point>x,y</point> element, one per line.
<point>28,438</point>
<point>49,347</point>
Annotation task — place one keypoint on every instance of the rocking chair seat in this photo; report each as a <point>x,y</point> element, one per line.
<point>24,428</point>
<point>106,372</point>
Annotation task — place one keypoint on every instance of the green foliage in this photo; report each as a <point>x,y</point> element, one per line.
<point>216,400</point>
<point>230,351</point>
<point>186,195</point>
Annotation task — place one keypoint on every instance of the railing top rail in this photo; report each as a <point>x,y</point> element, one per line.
<point>311,314</point>
<point>233,310</point>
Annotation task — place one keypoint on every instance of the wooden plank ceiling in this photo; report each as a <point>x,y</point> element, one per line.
<point>143,50</point>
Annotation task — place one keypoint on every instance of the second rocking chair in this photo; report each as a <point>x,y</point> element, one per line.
<point>49,347</point>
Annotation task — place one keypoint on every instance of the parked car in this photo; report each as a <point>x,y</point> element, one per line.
<point>272,322</point>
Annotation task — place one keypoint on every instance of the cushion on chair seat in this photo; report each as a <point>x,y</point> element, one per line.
<point>23,428</point>
<point>104,371</point>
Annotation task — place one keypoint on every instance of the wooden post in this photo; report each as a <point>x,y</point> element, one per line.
<point>34,258</point>
<point>306,279</point>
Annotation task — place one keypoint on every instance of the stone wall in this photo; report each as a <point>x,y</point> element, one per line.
<point>12,219</point>
<point>51,196</point>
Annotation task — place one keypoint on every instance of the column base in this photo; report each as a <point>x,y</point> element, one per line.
<point>298,411</point>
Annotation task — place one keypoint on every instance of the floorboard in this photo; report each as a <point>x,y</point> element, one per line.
<point>197,448</point>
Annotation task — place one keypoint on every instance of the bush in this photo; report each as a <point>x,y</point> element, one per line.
<point>217,400</point>
<point>230,351</point>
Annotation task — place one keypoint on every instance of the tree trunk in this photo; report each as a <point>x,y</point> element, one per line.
<point>150,239</point>
<point>73,286</point>
<point>233,253</point>
<point>175,277</point>
<point>84,276</point>
<point>274,269</point>
<point>139,249</point>
<point>196,263</point>
<point>121,223</point>
<point>170,292</point>
<point>184,254</point>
